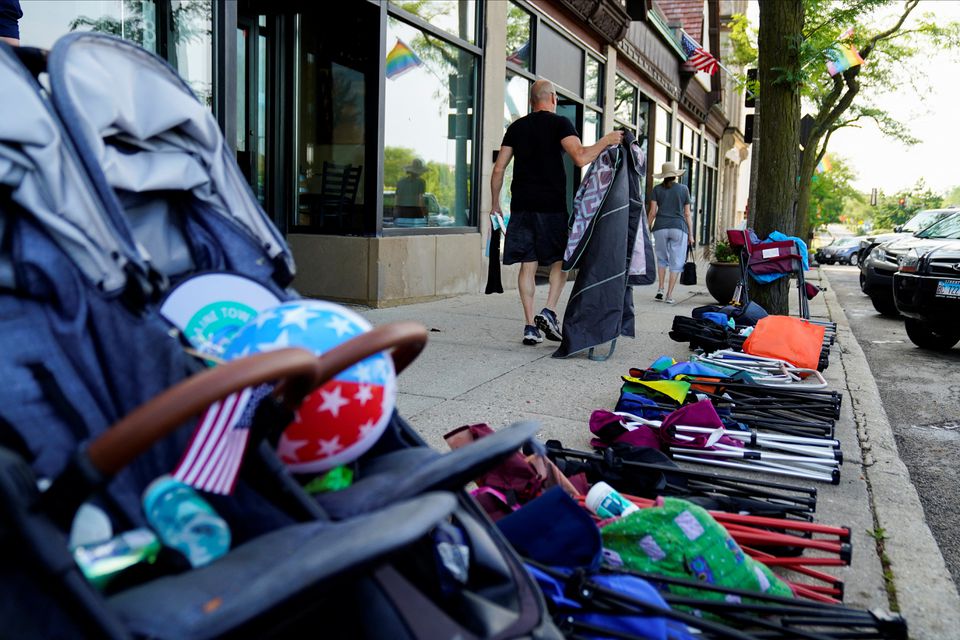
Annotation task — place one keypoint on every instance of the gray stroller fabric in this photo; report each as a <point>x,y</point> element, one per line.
<point>42,172</point>
<point>271,569</point>
<point>607,221</point>
<point>163,154</point>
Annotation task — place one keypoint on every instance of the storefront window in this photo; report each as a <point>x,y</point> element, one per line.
<point>593,82</point>
<point>661,154</point>
<point>518,37</point>
<point>560,59</point>
<point>192,51</point>
<point>187,45</point>
<point>133,20</point>
<point>456,17</point>
<point>664,124</point>
<point>516,99</point>
<point>625,103</point>
<point>429,132</point>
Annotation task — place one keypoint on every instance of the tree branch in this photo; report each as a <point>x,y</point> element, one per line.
<point>909,6</point>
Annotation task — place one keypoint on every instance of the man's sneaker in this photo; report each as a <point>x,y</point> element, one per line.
<point>670,301</point>
<point>659,296</point>
<point>531,335</point>
<point>547,322</point>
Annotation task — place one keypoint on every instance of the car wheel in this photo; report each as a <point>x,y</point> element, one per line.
<point>927,337</point>
<point>884,305</point>
<point>854,259</point>
<point>863,282</point>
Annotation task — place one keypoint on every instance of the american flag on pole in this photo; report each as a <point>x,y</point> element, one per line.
<point>697,55</point>
<point>212,460</point>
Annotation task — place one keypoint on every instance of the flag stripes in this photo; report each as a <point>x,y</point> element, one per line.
<point>212,459</point>
<point>697,56</point>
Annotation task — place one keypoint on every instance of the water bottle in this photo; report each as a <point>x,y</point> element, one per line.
<point>185,521</point>
<point>606,502</point>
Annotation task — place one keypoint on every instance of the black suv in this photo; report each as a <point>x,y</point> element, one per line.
<point>926,287</point>
<point>876,272</point>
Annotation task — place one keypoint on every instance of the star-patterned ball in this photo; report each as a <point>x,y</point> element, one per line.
<point>341,420</point>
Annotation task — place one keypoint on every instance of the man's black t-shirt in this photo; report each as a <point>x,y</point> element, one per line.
<point>539,180</point>
<point>10,13</point>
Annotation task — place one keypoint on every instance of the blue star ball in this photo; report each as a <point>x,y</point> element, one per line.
<point>341,420</point>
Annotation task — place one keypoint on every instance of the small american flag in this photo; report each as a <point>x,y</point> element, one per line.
<point>212,460</point>
<point>697,55</point>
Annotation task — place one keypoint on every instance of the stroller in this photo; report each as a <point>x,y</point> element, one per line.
<point>85,349</point>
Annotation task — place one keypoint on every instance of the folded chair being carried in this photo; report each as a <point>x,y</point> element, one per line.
<point>84,350</point>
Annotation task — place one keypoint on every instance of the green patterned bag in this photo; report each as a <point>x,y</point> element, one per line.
<point>680,539</point>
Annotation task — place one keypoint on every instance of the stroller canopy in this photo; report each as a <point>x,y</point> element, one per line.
<point>43,174</point>
<point>162,152</point>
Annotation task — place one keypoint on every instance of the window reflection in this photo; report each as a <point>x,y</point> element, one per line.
<point>192,51</point>
<point>516,99</point>
<point>664,124</point>
<point>518,37</point>
<point>188,43</point>
<point>661,154</point>
<point>428,137</point>
<point>516,104</point>
<point>457,17</point>
<point>625,102</point>
<point>593,81</point>
<point>332,141</point>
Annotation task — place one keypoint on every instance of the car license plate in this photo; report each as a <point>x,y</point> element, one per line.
<point>948,289</point>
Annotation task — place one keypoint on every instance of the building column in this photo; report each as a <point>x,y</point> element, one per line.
<point>494,75</point>
<point>609,88</point>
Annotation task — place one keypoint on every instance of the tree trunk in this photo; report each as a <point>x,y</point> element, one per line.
<point>781,25</point>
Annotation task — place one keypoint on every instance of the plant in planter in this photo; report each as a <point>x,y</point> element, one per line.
<point>723,274</point>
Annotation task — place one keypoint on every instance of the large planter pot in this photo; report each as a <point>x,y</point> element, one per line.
<point>721,280</point>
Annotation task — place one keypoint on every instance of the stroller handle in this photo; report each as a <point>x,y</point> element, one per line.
<point>298,370</point>
<point>141,428</point>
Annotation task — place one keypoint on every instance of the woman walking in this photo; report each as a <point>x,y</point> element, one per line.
<point>672,226</point>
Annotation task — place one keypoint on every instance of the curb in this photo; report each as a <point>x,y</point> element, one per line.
<point>925,591</point>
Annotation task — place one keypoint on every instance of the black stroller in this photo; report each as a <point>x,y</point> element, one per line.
<point>97,386</point>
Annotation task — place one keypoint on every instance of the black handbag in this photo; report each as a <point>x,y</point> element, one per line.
<point>689,275</point>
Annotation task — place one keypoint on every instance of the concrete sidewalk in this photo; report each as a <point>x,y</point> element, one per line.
<point>475,369</point>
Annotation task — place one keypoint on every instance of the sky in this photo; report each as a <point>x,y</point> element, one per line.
<point>888,165</point>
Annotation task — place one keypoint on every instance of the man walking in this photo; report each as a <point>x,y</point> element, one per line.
<point>537,233</point>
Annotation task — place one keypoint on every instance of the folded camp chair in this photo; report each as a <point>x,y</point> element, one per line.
<point>83,350</point>
<point>777,259</point>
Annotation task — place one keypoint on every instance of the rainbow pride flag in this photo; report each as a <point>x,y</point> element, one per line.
<point>401,59</point>
<point>825,165</point>
<point>842,55</point>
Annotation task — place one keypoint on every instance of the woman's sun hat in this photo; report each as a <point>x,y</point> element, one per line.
<point>668,171</point>
<point>416,167</point>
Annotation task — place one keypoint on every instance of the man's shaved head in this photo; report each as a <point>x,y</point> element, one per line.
<point>541,91</point>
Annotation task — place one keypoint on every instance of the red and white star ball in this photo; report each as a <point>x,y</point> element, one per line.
<point>340,421</point>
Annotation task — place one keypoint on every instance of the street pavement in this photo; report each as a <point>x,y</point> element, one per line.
<point>475,369</point>
<point>921,397</point>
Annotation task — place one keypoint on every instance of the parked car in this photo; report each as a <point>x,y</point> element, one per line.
<point>876,272</point>
<point>841,250</point>
<point>437,215</point>
<point>920,220</point>
<point>926,287</point>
